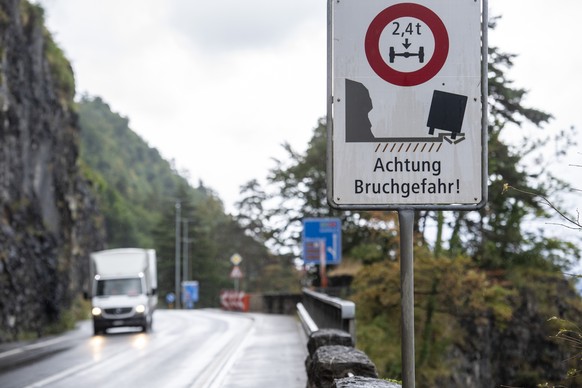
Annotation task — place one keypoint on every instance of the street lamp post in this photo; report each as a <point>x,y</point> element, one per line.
<point>177,257</point>
<point>185,269</point>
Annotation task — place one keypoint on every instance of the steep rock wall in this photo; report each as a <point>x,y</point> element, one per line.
<point>48,219</point>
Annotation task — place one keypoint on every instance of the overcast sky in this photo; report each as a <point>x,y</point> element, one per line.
<point>219,85</point>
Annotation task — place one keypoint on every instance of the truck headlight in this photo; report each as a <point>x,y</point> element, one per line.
<point>140,309</point>
<point>96,311</point>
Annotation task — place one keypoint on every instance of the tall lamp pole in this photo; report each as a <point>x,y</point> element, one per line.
<point>185,269</point>
<point>177,257</point>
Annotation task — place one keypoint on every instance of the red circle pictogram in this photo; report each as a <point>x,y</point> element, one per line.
<point>425,73</point>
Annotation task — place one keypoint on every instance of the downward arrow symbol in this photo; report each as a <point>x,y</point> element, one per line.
<point>406,44</point>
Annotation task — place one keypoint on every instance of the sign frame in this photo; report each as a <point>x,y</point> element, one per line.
<point>332,136</point>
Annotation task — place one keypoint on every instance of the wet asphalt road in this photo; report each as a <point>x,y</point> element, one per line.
<point>186,348</point>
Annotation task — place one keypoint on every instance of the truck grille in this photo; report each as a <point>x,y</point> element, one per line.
<point>118,311</point>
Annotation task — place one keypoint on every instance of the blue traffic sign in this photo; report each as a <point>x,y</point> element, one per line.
<point>322,238</point>
<point>190,291</point>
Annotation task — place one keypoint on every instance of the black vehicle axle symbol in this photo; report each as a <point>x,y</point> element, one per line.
<point>393,54</point>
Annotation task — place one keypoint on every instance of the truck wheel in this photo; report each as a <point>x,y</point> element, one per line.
<point>145,327</point>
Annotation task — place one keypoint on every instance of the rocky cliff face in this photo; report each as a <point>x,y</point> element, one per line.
<point>48,219</point>
<point>524,351</point>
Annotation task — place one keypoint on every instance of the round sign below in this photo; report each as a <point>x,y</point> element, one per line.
<point>426,72</point>
<point>170,297</point>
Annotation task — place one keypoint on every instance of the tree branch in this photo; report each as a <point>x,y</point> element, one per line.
<point>575,222</point>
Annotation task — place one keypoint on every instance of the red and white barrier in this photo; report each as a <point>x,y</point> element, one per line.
<point>231,300</point>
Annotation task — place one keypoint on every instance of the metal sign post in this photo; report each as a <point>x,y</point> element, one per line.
<point>406,221</point>
<point>236,274</point>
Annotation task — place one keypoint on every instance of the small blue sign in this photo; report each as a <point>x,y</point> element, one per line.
<point>190,292</point>
<point>322,236</point>
<point>170,297</point>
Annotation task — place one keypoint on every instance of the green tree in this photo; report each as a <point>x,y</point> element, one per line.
<point>202,217</point>
<point>132,181</point>
<point>213,237</point>
<point>296,190</point>
<point>499,236</point>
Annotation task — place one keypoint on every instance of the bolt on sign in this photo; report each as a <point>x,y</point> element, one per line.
<point>407,114</point>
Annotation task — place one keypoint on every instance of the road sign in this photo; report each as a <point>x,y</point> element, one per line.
<point>322,237</point>
<point>236,259</point>
<point>390,18</point>
<point>236,273</point>
<point>170,297</point>
<point>232,300</point>
<point>406,121</point>
<point>190,293</point>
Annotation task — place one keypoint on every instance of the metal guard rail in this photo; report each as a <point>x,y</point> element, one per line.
<point>327,312</point>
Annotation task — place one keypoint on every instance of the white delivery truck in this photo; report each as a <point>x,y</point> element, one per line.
<point>123,288</point>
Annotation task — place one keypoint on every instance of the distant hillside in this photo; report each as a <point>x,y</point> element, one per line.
<point>137,191</point>
<point>134,182</point>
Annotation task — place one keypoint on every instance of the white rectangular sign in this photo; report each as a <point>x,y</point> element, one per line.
<point>407,120</point>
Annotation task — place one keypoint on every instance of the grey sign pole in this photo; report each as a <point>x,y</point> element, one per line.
<point>406,221</point>
<point>177,257</point>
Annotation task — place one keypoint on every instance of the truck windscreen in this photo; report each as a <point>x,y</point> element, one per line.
<point>129,286</point>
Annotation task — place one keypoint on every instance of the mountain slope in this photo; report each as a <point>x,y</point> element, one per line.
<point>133,181</point>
